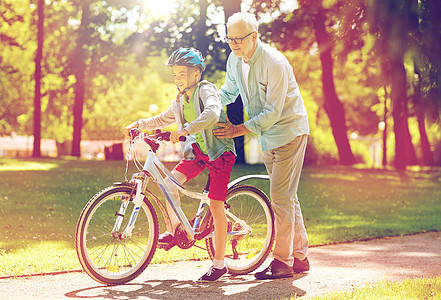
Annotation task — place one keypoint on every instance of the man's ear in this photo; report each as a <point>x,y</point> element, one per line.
<point>254,35</point>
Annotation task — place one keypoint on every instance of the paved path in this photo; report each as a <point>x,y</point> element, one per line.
<point>333,268</point>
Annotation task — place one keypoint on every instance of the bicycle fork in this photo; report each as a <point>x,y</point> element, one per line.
<point>137,201</point>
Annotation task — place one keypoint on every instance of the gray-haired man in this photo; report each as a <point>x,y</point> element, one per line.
<point>266,83</point>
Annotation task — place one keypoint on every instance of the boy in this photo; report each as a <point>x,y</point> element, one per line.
<point>196,110</point>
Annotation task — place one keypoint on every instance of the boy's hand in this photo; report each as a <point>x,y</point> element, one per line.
<point>127,128</point>
<point>175,135</point>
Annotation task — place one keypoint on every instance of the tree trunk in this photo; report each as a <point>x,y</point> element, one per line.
<point>412,159</point>
<point>235,110</point>
<point>202,42</point>
<point>333,107</point>
<point>428,159</point>
<point>385,129</point>
<point>399,109</point>
<point>427,156</point>
<point>79,69</point>
<point>36,152</point>
<point>230,7</point>
<point>404,150</point>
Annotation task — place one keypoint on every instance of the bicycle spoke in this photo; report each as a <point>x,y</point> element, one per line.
<point>107,257</point>
<point>102,252</point>
<point>252,234</point>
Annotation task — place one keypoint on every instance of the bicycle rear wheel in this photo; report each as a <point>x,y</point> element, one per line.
<point>109,258</point>
<point>245,253</point>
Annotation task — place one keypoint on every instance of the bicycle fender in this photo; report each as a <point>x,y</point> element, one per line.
<point>246,177</point>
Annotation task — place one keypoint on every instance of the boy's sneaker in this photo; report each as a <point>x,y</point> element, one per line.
<point>213,274</point>
<point>166,241</point>
<point>165,238</point>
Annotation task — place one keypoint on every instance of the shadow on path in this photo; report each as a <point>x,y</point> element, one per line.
<point>237,287</point>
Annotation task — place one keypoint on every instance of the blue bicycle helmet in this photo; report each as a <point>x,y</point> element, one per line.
<point>188,57</point>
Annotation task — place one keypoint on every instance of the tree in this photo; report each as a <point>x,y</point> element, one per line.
<point>16,69</point>
<point>37,78</point>
<point>99,50</point>
<point>395,26</point>
<point>202,42</point>
<point>427,156</point>
<point>311,19</point>
<point>390,21</point>
<point>235,109</point>
<point>427,67</point>
<point>333,106</point>
<point>188,28</point>
<point>79,69</point>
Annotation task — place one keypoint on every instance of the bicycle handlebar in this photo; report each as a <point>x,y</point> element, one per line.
<point>153,141</point>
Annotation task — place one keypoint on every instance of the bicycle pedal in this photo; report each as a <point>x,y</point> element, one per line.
<point>166,247</point>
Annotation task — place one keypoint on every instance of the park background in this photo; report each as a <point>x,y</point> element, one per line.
<point>74,73</point>
<point>369,71</point>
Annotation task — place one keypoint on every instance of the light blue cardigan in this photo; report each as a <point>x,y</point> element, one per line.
<point>274,104</point>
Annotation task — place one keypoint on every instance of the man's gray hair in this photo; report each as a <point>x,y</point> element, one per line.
<point>248,18</point>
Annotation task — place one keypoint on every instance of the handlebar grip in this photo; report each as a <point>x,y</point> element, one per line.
<point>165,135</point>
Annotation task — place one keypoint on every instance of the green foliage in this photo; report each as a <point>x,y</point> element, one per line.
<point>183,27</point>
<point>321,147</point>
<point>414,288</point>
<point>127,44</point>
<point>123,104</point>
<point>366,37</point>
<point>16,67</point>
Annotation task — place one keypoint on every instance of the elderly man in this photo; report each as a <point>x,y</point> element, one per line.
<point>265,81</point>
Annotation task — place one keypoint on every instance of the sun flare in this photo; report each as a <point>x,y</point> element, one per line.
<point>159,8</point>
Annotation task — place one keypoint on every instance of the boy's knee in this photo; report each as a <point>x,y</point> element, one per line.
<point>217,207</point>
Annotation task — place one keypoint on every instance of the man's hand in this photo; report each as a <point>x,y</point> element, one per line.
<point>175,135</point>
<point>228,130</point>
<point>127,128</point>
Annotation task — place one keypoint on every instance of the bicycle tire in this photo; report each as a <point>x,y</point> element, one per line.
<point>106,258</point>
<point>250,204</point>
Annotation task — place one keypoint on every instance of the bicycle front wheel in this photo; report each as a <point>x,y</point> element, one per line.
<point>107,256</point>
<point>249,210</point>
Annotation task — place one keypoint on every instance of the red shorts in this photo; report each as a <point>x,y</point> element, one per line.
<point>220,170</point>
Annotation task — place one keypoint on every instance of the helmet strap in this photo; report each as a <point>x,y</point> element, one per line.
<point>181,93</point>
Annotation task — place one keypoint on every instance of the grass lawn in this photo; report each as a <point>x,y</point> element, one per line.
<point>420,288</point>
<point>41,200</point>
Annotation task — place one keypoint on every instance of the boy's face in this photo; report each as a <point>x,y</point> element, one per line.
<point>185,77</point>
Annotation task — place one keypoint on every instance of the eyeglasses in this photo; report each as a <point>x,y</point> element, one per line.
<point>236,40</point>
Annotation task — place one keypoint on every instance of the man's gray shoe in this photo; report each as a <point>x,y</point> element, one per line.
<point>300,266</point>
<point>276,270</point>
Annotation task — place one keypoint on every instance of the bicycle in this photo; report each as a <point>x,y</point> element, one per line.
<point>117,231</point>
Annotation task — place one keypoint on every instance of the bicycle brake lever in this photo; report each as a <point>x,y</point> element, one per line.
<point>134,132</point>
<point>153,145</point>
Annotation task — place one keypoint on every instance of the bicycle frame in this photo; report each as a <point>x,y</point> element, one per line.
<point>112,250</point>
<point>152,168</point>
